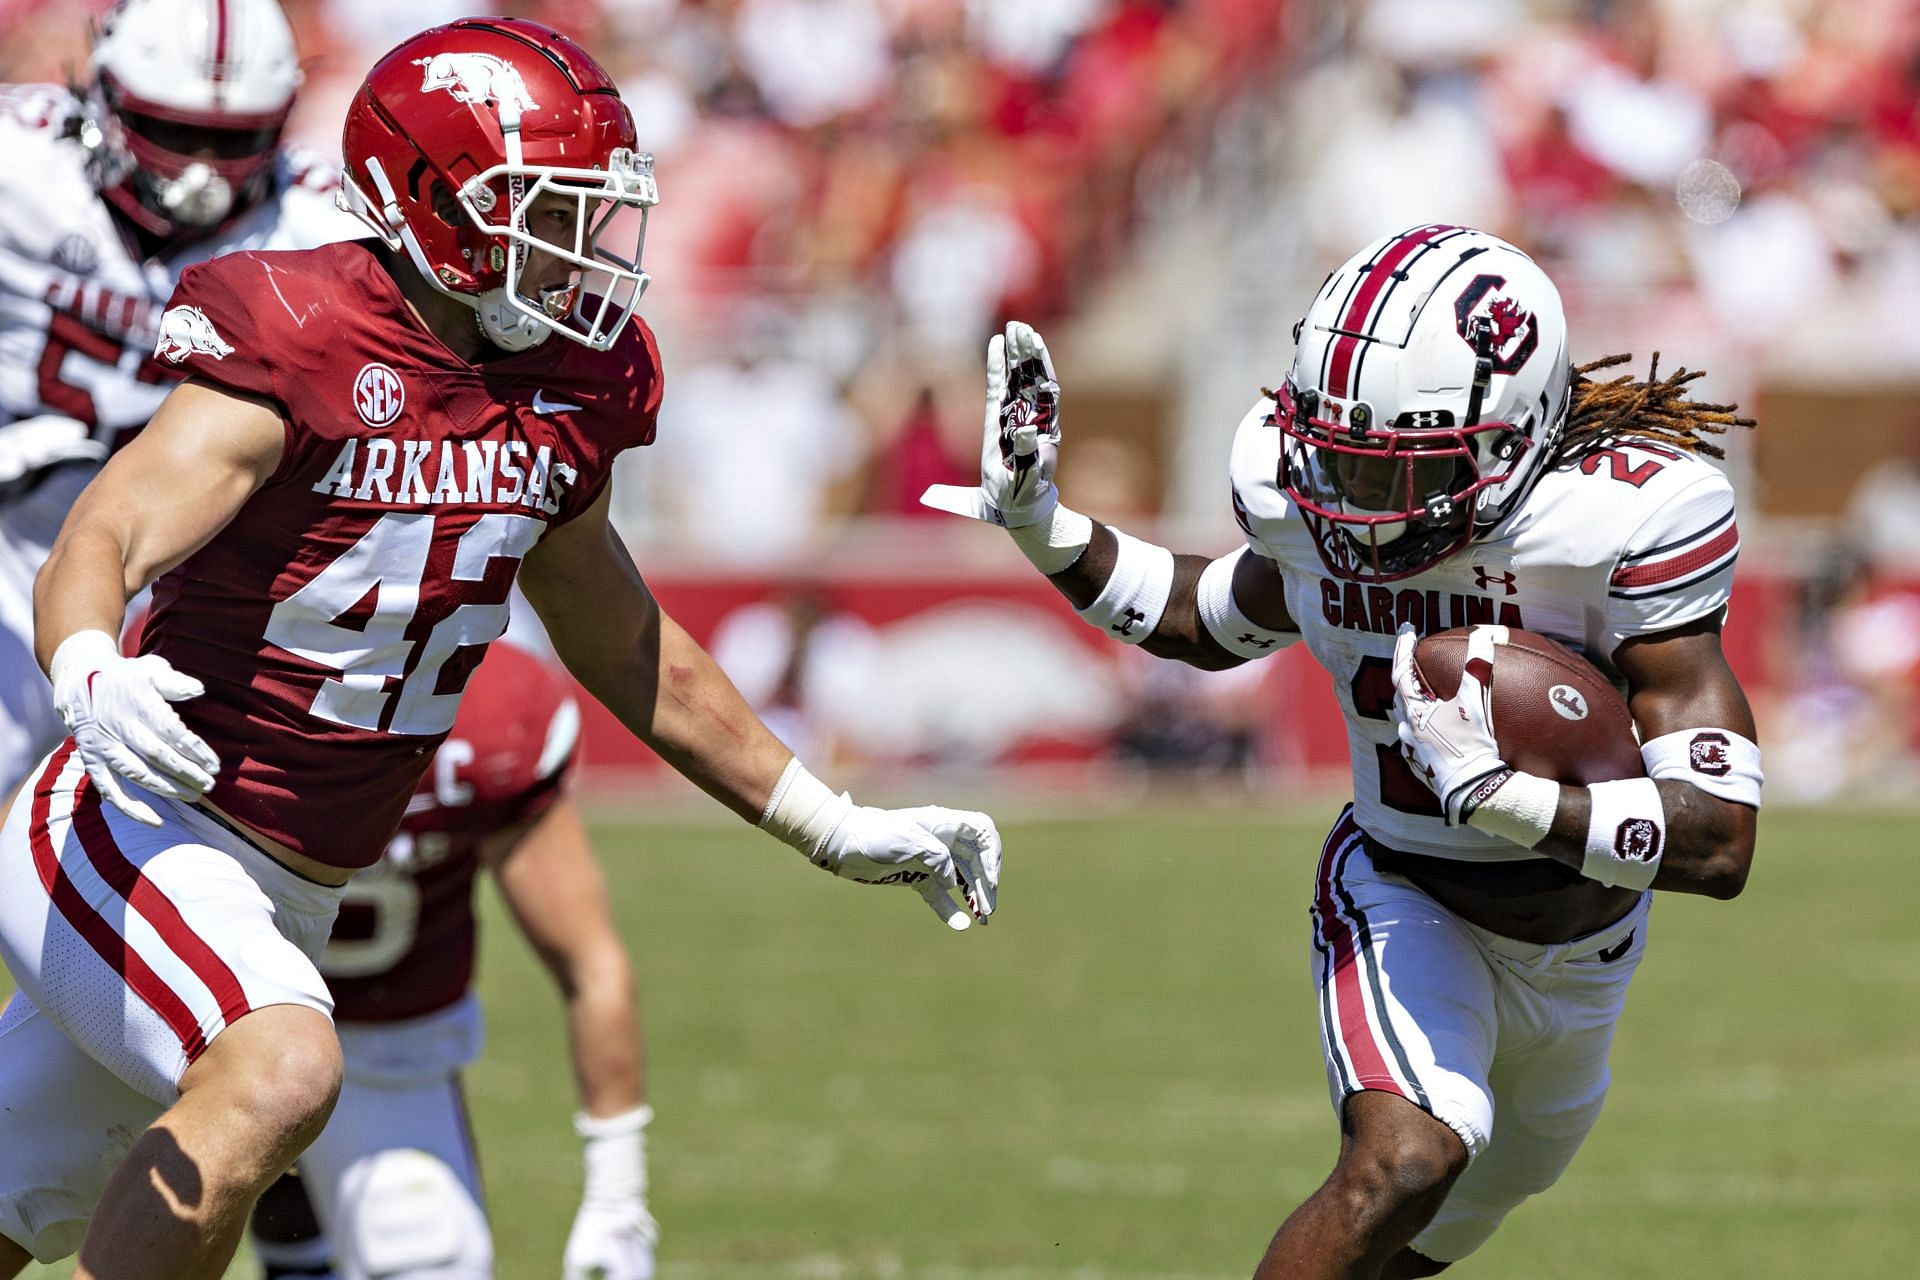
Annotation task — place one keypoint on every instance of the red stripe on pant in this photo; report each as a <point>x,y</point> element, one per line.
<point>1355,1031</point>
<point>145,897</point>
<point>94,928</point>
<point>1340,367</point>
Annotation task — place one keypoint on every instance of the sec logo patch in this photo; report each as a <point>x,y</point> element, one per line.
<point>378,394</point>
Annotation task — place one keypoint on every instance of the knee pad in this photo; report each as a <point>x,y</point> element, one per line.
<point>407,1216</point>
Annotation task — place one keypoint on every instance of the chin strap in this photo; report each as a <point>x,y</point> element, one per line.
<point>505,325</point>
<point>1482,368</point>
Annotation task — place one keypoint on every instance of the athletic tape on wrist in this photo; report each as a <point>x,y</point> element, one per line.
<point>615,1152</point>
<point>1627,833</point>
<point>1520,809</point>
<point>1055,543</point>
<point>1718,761</point>
<point>1135,597</point>
<point>1231,629</point>
<point>803,811</point>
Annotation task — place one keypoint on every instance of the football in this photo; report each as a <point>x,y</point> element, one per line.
<point>1554,713</point>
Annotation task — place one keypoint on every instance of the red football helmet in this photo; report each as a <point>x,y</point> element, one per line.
<point>456,134</point>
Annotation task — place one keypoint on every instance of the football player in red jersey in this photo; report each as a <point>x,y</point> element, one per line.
<point>391,1187</point>
<point>373,441</point>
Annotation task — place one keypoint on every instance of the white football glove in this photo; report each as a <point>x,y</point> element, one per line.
<point>613,1235</point>
<point>937,852</point>
<point>611,1240</point>
<point>1022,437</point>
<point>116,709</point>
<point>1449,743</point>
<point>29,444</point>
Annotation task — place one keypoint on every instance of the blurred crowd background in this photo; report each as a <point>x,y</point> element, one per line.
<point>857,193</point>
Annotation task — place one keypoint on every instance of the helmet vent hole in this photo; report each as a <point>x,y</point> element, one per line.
<point>445,207</point>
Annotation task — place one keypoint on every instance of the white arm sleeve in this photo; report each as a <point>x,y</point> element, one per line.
<point>1231,628</point>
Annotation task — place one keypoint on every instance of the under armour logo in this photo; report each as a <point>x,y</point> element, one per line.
<point>1485,580</point>
<point>1254,640</point>
<point>1127,618</point>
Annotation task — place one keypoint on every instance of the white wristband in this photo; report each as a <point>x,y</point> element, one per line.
<point>615,1148</point>
<point>1135,597</point>
<point>1627,833</point>
<point>81,652</point>
<point>1231,629</point>
<point>1056,542</point>
<point>1718,761</point>
<point>803,811</point>
<point>1521,809</point>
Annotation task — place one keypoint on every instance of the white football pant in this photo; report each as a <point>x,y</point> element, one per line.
<point>1504,1041</point>
<point>133,948</point>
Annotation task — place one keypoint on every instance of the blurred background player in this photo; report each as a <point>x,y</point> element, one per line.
<point>392,1188</point>
<point>169,155</point>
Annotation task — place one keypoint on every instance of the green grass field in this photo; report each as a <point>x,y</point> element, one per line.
<point>1120,1079</point>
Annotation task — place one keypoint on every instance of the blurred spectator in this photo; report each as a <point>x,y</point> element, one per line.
<point>1846,715</point>
<point>751,447</point>
<point>921,451</point>
<point>1883,515</point>
<point>814,60</point>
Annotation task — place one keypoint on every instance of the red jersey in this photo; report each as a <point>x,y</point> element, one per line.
<point>335,620</point>
<point>403,946</point>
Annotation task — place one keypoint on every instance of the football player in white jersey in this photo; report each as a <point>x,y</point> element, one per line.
<point>1430,460</point>
<point>169,157</point>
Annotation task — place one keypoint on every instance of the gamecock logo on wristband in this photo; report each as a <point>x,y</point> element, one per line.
<point>1708,754</point>
<point>1637,840</point>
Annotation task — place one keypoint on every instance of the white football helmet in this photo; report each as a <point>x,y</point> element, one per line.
<point>1429,385</point>
<point>187,104</point>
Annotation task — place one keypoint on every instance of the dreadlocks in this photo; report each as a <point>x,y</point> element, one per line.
<point>1654,409</point>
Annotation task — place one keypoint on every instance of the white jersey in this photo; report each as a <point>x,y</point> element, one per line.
<point>80,305</point>
<point>1627,540</point>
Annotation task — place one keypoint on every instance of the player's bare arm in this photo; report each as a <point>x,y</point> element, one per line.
<point>158,501</point>
<point>642,666</point>
<point>548,877</point>
<point>1678,681</point>
<point>1182,635</point>
<point>612,635</point>
<point>1211,614</point>
<point>1688,826</point>
<point>546,872</point>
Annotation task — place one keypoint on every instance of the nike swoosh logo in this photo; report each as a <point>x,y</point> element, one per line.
<point>1609,954</point>
<point>543,405</point>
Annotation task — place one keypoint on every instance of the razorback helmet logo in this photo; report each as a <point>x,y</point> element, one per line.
<point>476,77</point>
<point>1516,330</point>
<point>186,331</point>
